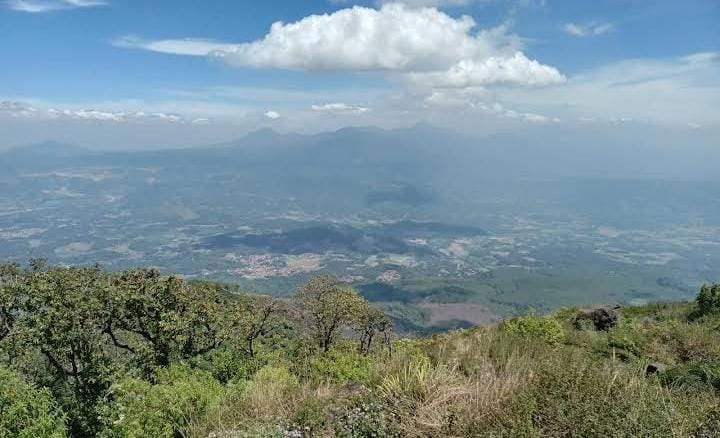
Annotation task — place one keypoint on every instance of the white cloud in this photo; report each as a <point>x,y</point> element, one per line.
<point>514,70</point>
<point>674,91</point>
<point>593,28</point>
<point>340,108</point>
<point>439,3</point>
<point>392,38</point>
<point>186,46</point>
<point>435,2</point>
<point>18,109</point>
<point>395,38</point>
<point>272,115</point>
<point>38,6</point>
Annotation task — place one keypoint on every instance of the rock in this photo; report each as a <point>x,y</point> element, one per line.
<point>354,387</point>
<point>655,368</point>
<point>602,318</point>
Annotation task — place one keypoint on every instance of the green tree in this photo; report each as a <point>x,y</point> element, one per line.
<point>247,319</point>
<point>329,307</point>
<point>55,335</point>
<point>368,323</point>
<point>158,319</point>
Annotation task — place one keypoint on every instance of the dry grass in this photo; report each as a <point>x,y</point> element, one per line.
<point>468,379</point>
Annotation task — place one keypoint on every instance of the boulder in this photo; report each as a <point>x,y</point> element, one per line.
<point>602,318</point>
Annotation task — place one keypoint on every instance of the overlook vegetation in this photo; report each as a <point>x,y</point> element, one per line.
<point>85,352</point>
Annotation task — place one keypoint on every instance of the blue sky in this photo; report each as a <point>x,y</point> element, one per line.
<point>215,69</point>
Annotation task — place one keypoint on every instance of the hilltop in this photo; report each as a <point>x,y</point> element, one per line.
<point>91,353</point>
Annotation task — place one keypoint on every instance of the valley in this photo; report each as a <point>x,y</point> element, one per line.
<point>418,248</point>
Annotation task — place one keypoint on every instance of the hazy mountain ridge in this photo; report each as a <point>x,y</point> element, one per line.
<point>542,157</point>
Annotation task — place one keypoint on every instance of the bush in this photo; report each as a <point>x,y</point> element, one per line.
<point>165,409</point>
<point>548,329</point>
<point>25,411</point>
<point>708,300</point>
<point>694,377</point>
<point>365,417</point>
<point>628,341</point>
<point>342,366</point>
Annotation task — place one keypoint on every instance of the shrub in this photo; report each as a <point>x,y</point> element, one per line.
<point>342,366</point>
<point>165,409</point>
<point>310,416</point>
<point>365,417</point>
<point>702,376</point>
<point>629,341</point>
<point>548,329</point>
<point>27,412</point>
<point>708,300</point>
<point>227,364</point>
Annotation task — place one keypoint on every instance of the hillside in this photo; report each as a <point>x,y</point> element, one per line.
<point>92,353</point>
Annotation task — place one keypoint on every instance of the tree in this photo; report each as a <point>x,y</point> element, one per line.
<point>55,332</point>
<point>9,275</point>
<point>368,322</point>
<point>158,319</point>
<point>247,319</point>
<point>329,307</point>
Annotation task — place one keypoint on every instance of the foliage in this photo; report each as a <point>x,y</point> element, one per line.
<point>329,307</point>
<point>27,412</point>
<point>77,331</point>
<point>342,366</point>
<point>163,409</point>
<point>708,300</point>
<point>545,328</point>
<point>89,353</point>
<point>702,376</point>
<point>365,417</point>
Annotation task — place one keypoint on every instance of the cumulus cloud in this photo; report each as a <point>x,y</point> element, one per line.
<point>38,6</point>
<point>392,38</point>
<point>514,70</point>
<point>422,42</point>
<point>340,108</point>
<point>593,28</point>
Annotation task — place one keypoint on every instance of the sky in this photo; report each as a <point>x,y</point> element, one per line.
<point>112,74</point>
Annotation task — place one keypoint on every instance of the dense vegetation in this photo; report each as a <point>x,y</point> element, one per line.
<point>89,353</point>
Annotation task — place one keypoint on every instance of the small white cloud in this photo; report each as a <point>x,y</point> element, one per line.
<point>20,109</point>
<point>272,115</point>
<point>187,46</point>
<point>340,108</point>
<point>39,6</point>
<point>593,28</point>
<point>701,58</point>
